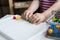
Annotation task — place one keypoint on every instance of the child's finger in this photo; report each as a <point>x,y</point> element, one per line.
<point>22,16</point>
<point>36,20</point>
<point>39,21</point>
<point>25,14</point>
<point>33,18</point>
<point>30,15</point>
<point>31,21</point>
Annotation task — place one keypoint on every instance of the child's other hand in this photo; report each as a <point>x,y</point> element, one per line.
<point>27,14</point>
<point>37,18</point>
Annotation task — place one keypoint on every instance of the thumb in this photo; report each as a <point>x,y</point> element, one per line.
<point>30,15</point>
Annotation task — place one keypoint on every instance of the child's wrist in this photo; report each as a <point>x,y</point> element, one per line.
<point>30,10</point>
<point>47,15</point>
<point>44,15</point>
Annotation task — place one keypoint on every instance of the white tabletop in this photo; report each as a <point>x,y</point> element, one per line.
<point>22,30</point>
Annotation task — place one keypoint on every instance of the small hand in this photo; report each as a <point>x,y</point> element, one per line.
<point>27,14</point>
<point>37,18</point>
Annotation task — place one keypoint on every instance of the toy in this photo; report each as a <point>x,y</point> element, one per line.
<point>58,26</point>
<point>54,28</point>
<point>28,19</point>
<point>50,31</point>
<point>55,31</point>
<point>55,18</point>
<point>16,17</point>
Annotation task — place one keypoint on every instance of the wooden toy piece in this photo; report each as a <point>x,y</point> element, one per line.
<point>58,26</point>
<point>28,19</point>
<point>18,18</point>
<point>50,31</point>
<point>14,17</point>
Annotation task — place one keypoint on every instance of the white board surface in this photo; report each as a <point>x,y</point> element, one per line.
<point>20,30</point>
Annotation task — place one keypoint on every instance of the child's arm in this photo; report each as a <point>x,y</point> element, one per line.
<point>34,6</point>
<point>38,18</point>
<point>56,6</point>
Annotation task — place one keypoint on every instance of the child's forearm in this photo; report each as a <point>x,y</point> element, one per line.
<point>56,6</point>
<point>34,6</point>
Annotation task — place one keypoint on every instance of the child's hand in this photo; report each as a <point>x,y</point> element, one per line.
<point>27,14</point>
<point>37,18</point>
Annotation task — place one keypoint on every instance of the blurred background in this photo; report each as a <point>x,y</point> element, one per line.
<point>13,6</point>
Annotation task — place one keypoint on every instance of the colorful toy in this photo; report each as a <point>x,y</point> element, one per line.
<point>55,18</point>
<point>28,19</point>
<point>16,17</point>
<point>55,31</point>
<point>54,28</point>
<point>50,31</point>
<point>58,26</point>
